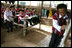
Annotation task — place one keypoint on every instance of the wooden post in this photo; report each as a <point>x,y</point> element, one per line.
<point>50,4</point>
<point>41,15</point>
<point>24,28</point>
<point>17,3</point>
<point>30,4</point>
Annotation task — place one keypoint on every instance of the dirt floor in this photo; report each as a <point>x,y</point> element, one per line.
<point>34,38</point>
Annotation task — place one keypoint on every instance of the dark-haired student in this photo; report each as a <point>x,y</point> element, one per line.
<point>14,15</point>
<point>20,17</point>
<point>60,20</point>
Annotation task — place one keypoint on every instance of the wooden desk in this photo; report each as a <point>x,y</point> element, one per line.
<point>24,25</point>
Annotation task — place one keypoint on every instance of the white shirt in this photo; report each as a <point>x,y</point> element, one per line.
<point>7,15</point>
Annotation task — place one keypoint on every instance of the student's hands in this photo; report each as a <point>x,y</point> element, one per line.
<point>62,27</point>
<point>67,22</point>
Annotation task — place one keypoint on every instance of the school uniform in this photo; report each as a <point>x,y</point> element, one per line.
<point>20,19</point>
<point>57,34</point>
<point>31,13</point>
<point>30,20</point>
<point>13,12</point>
<point>28,13</point>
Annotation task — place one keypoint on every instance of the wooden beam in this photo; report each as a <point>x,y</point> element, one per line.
<point>41,15</point>
<point>17,3</point>
<point>30,4</point>
<point>50,4</point>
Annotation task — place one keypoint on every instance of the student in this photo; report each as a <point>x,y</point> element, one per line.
<point>16,9</point>
<point>47,13</point>
<point>31,14</point>
<point>43,11</point>
<point>60,20</point>
<point>27,12</point>
<point>21,16</point>
<point>33,11</point>
<point>53,12</point>
<point>36,19</point>
<point>14,16</point>
<point>2,16</point>
<point>2,11</point>
<point>8,20</point>
<point>24,8</point>
<point>13,11</point>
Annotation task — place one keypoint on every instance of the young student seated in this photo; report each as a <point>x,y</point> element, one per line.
<point>27,13</point>
<point>21,16</point>
<point>36,19</point>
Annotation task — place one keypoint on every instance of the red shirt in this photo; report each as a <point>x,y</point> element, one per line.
<point>2,11</point>
<point>16,10</point>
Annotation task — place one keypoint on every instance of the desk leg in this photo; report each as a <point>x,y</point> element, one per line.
<point>24,32</point>
<point>24,29</point>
